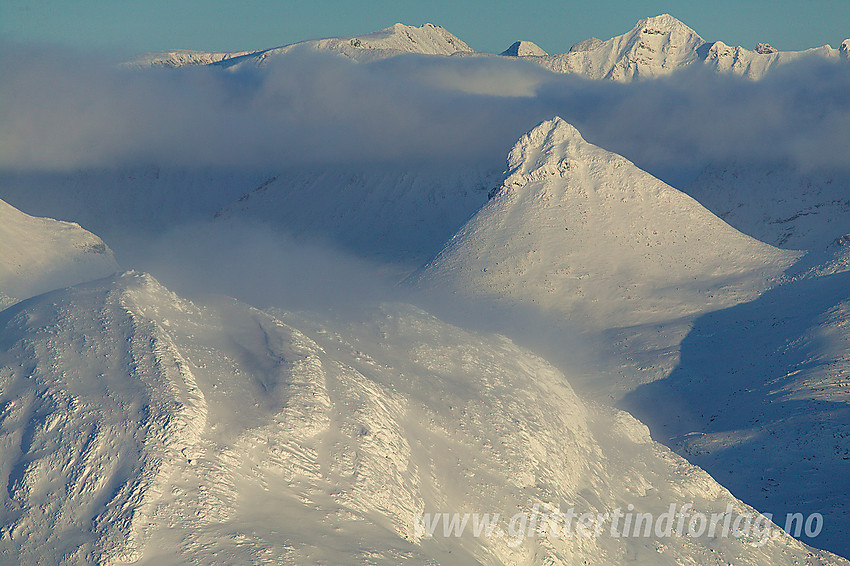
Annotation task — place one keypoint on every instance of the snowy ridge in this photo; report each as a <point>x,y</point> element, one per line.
<point>41,254</point>
<point>182,57</point>
<point>654,47</point>
<point>162,431</point>
<point>137,426</point>
<point>577,230</point>
<point>397,39</point>
<point>96,405</point>
<point>754,64</point>
<point>661,45</point>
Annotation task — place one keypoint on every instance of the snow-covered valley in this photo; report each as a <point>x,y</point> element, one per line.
<point>422,285</point>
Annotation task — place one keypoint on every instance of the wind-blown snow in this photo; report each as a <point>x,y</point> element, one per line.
<point>169,432</point>
<point>96,408</point>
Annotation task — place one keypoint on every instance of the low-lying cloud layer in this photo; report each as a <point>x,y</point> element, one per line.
<point>65,110</point>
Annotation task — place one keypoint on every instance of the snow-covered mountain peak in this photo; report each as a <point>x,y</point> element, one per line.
<point>663,24</point>
<point>586,44</point>
<point>661,45</point>
<point>646,33</point>
<point>719,49</point>
<point>756,63</point>
<point>653,47</point>
<point>581,231</point>
<point>140,425</point>
<point>397,39</point>
<point>427,39</point>
<point>545,150</point>
<point>524,49</point>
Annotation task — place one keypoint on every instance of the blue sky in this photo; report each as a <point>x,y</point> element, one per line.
<point>148,25</point>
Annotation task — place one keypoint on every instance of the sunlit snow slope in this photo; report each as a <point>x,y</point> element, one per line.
<point>40,254</point>
<point>578,230</point>
<point>654,47</point>
<point>523,49</point>
<point>138,426</point>
<point>397,39</point>
<point>661,45</point>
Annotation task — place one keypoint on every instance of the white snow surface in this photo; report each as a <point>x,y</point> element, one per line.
<point>654,47</point>
<point>756,394</point>
<point>779,204</point>
<point>753,64</point>
<point>143,428</point>
<point>661,45</point>
<point>137,426</point>
<point>182,57</point>
<point>41,254</point>
<point>523,49</point>
<point>397,39</point>
<point>580,231</point>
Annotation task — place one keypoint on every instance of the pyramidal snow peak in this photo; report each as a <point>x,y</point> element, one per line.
<point>523,49</point>
<point>654,46</point>
<point>578,230</point>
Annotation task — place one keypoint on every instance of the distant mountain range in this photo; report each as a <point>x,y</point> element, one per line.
<point>654,47</point>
